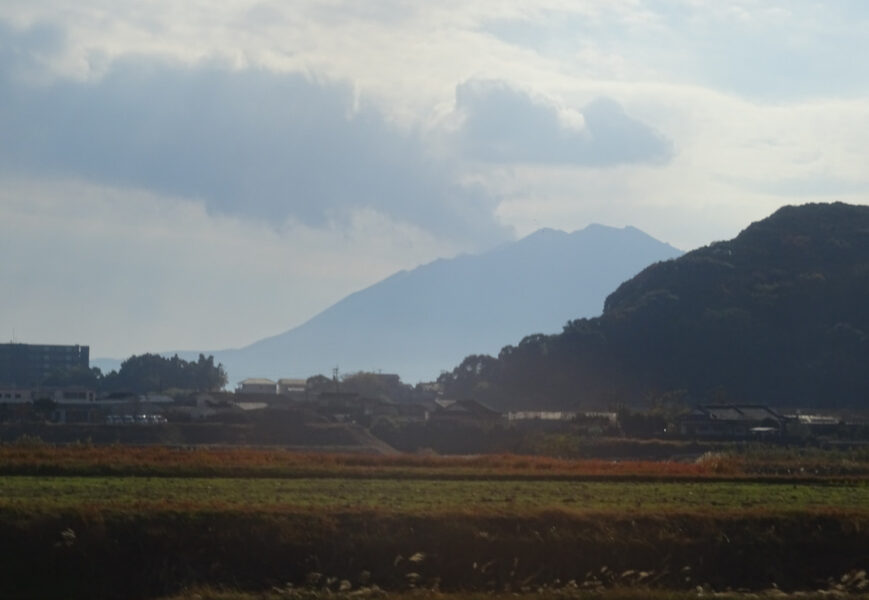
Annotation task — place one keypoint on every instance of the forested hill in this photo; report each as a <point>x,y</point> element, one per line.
<point>779,315</point>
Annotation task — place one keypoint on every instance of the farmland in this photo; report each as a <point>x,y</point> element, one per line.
<point>154,522</point>
<point>413,496</point>
<point>32,457</point>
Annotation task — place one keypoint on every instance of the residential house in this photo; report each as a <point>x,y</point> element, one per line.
<point>732,421</point>
<point>257,385</point>
<point>292,387</point>
<point>466,411</point>
<point>813,425</point>
<point>541,415</point>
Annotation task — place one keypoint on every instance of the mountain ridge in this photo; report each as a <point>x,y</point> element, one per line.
<point>416,322</point>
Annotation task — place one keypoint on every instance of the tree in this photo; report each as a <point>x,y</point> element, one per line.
<point>318,384</point>
<point>376,385</point>
<point>75,376</point>
<point>154,373</point>
<point>206,376</point>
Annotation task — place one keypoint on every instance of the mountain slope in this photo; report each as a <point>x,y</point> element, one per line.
<point>417,322</point>
<point>779,315</point>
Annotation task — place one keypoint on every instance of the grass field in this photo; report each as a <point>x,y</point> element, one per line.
<point>423,496</point>
<point>121,522</point>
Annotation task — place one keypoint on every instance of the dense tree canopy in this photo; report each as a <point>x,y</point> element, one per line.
<point>153,373</point>
<point>377,385</point>
<point>77,376</point>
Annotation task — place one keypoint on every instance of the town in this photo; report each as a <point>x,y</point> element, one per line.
<point>357,412</point>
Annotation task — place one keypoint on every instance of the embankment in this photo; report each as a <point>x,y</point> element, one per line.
<point>88,553</point>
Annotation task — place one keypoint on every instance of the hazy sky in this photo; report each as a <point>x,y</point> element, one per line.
<point>200,175</point>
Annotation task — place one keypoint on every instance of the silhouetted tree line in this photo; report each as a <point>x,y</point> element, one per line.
<point>147,373</point>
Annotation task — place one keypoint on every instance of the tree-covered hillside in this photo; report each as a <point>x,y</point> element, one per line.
<point>778,315</point>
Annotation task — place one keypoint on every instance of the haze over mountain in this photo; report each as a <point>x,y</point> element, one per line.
<point>779,315</point>
<point>416,323</point>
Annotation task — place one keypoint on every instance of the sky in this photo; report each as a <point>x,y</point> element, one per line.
<point>200,175</point>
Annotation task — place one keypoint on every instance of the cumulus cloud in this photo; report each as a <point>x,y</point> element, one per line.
<point>504,125</point>
<point>245,141</point>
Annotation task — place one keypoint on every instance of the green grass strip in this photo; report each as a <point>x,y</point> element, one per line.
<point>423,496</point>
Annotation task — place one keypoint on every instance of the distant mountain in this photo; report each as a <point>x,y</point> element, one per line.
<point>417,322</point>
<point>779,315</point>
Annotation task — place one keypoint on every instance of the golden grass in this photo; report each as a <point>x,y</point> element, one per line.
<point>234,461</point>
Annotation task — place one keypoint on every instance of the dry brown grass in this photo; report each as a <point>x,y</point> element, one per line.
<point>163,460</point>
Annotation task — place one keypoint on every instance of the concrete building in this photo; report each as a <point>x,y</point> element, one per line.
<point>28,365</point>
<point>15,395</point>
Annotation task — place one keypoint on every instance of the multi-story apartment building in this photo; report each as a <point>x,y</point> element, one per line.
<point>28,365</point>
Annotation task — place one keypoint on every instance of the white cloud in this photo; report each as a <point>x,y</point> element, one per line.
<point>503,124</point>
<point>133,272</point>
